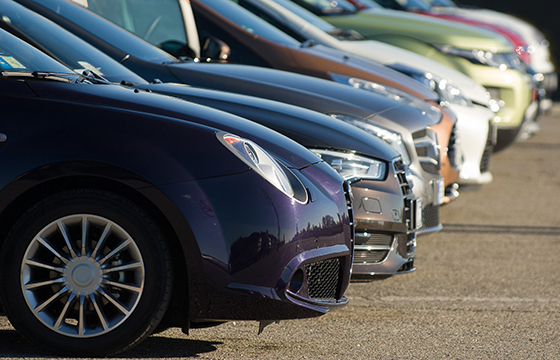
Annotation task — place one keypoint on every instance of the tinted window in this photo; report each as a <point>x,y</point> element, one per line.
<point>156,21</point>
<point>411,5</point>
<point>305,14</point>
<point>249,21</point>
<point>106,31</point>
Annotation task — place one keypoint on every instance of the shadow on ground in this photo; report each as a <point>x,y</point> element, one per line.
<point>13,345</point>
<point>502,229</point>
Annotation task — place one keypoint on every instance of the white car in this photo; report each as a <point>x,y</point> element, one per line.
<point>469,100</point>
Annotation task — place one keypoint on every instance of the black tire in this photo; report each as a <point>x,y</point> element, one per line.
<point>108,299</point>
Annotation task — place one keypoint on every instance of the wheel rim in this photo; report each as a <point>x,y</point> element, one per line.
<point>82,288</point>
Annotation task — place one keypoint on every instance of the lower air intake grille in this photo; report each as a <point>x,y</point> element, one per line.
<point>431,216</point>
<point>488,149</point>
<point>323,279</point>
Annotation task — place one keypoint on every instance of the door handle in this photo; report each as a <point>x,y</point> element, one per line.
<point>3,138</point>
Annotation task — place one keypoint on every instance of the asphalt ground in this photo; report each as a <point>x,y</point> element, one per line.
<point>486,287</point>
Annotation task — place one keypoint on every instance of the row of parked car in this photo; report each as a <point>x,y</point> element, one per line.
<point>175,163</point>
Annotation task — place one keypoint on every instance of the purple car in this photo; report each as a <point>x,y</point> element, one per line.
<point>123,210</point>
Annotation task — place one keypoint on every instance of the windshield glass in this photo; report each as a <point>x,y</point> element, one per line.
<point>18,56</point>
<point>249,21</point>
<point>447,3</point>
<point>327,7</point>
<point>410,5</point>
<point>365,4</point>
<point>106,31</point>
<point>68,48</point>
<point>159,22</point>
<point>306,15</point>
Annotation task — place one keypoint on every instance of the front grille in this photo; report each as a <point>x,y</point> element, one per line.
<point>323,279</point>
<point>494,93</point>
<point>369,256</point>
<point>427,149</point>
<point>349,199</point>
<point>411,244</point>
<point>367,239</point>
<point>488,150</point>
<point>429,167</point>
<point>401,175</point>
<point>453,150</point>
<point>413,214</point>
<point>431,216</point>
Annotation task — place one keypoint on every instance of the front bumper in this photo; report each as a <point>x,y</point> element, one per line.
<point>387,218</point>
<point>258,254</point>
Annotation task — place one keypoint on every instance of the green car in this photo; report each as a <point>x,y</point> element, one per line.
<point>486,57</point>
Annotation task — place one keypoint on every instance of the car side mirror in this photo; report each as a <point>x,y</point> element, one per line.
<point>215,49</point>
<point>177,49</point>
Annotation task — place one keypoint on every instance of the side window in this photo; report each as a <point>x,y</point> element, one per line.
<point>137,16</point>
<point>240,53</point>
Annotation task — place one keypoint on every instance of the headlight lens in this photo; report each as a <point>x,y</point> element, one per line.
<point>503,61</point>
<point>353,167</point>
<point>392,93</point>
<point>390,137</point>
<point>445,89</point>
<point>259,160</point>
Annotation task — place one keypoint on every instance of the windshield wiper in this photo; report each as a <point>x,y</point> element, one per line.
<point>92,77</point>
<point>38,75</point>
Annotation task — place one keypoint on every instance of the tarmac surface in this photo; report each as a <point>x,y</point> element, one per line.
<point>486,287</point>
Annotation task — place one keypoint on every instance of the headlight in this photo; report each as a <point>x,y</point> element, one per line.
<point>265,165</point>
<point>392,93</point>
<point>392,138</point>
<point>503,61</point>
<point>450,93</point>
<point>445,89</point>
<point>351,166</point>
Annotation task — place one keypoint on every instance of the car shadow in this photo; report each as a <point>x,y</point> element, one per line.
<point>502,229</point>
<point>13,345</point>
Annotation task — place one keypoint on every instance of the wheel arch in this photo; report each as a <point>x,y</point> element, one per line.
<point>24,192</point>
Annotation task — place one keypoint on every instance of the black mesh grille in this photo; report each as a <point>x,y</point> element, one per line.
<point>323,279</point>
<point>369,256</point>
<point>488,149</point>
<point>431,216</point>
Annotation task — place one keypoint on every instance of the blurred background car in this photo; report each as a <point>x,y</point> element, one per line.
<point>472,107</point>
<point>541,62</point>
<point>486,57</point>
